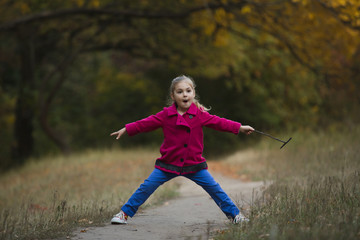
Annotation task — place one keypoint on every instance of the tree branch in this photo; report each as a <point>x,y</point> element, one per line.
<point>47,15</point>
<point>45,104</point>
<point>283,39</point>
<point>336,15</point>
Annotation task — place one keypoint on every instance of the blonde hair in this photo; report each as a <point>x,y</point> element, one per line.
<point>192,84</point>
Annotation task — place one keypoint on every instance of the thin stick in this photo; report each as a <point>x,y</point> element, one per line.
<point>268,135</point>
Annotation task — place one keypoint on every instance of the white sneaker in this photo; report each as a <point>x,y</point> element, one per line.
<point>240,219</point>
<point>120,218</point>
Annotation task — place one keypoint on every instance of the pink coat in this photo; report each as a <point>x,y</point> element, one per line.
<point>182,148</point>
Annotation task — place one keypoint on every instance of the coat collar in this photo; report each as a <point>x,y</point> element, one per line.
<point>173,111</point>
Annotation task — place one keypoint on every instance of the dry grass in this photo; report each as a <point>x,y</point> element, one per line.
<point>245,165</point>
<point>314,192</point>
<point>308,154</point>
<point>51,196</point>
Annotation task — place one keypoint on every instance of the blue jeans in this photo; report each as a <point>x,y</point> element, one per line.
<point>202,178</point>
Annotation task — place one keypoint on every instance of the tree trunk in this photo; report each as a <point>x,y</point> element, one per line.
<point>56,137</point>
<point>25,102</point>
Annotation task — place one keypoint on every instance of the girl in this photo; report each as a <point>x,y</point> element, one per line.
<point>181,150</point>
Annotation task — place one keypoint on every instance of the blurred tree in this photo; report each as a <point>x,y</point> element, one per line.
<point>289,61</point>
<point>50,37</point>
<point>322,36</point>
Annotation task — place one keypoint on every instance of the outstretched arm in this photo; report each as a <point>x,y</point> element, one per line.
<point>246,129</point>
<point>119,133</point>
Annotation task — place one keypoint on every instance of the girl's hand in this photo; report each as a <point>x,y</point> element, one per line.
<point>246,129</point>
<point>119,133</point>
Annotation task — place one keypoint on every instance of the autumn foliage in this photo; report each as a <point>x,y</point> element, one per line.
<point>73,71</point>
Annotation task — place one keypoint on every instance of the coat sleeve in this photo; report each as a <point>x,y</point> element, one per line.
<point>145,125</point>
<point>220,124</point>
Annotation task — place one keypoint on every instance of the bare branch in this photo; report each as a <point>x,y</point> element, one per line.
<point>45,104</point>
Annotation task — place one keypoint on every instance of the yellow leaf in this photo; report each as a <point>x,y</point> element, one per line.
<point>80,3</point>
<point>246,9</point>
<point>220,15</point>
<point>305,2</point>
<point>209,28</point>
<point>357,22</point>
<point>221,39</point>
<point>24,8</point>
<point>342,2</point>
<point>96,3</point>
<point>315,109</point>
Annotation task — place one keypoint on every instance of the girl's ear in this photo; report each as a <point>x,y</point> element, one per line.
<point>172,96</point>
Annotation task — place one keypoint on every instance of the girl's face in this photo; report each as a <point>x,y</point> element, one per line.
<point>183,95</point>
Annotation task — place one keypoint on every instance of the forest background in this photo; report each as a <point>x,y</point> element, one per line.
<point>73,71</point>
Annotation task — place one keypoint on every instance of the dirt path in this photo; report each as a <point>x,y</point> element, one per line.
<point>193,215</point>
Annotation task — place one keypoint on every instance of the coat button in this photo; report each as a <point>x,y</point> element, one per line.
<point>191,116</point>
<point>181,160</point>
<point>185,145</point>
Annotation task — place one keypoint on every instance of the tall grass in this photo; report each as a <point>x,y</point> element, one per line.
<point>49,197</point>
<point>314,192</point>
